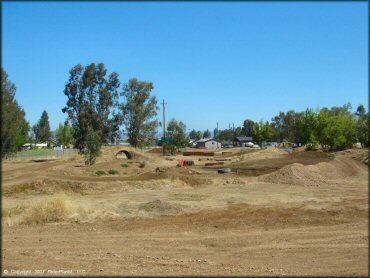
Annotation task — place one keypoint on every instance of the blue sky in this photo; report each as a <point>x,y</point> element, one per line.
<point>211,61</point>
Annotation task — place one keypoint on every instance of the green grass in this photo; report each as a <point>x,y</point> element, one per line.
<point>35,152</point>
<point>113,172</point>
<point>100,172</point>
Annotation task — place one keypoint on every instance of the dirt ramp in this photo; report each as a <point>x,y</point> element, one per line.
<point>341,167</point>
<point>323,173</point>
<point>298,174</point>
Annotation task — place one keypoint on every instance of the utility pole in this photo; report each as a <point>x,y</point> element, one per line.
<point>217,135</point>
<point>164,127</point>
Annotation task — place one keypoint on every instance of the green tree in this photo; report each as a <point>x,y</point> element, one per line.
<point>177,130</point>
<point>92,98</point>
<point>336,128</point>
<point>362,125</point>
<point>23,136</point>
<point>43,128</point>
<point>226,135</point>
<point>278,123</point>
<point>14,127</point>
<point>248,127</point>
<point>138,112</point>
<point>65,134</point>
<point>207,134</point>
<point>266,131</point>
<point>199,135</point>
<point>193,135</point>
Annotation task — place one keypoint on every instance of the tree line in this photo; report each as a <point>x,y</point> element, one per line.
<point>97,106</point>
<point>335,128</point>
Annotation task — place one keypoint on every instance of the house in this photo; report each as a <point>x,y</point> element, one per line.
<point>242,140</point>
<point>208,143</point>
<point>41,145</point>
<point>193,143</point>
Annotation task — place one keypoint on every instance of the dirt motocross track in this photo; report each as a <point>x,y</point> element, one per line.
<point>276,213</point>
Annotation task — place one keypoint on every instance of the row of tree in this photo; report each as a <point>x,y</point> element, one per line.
<point>197,135</point>
<point>336,128</point>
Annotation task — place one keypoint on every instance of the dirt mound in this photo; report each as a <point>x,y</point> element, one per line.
<point>341,167</point>
<point>296,174</point>
<point>109,153</point>
<point>318,174</point>
<point>361,155</point>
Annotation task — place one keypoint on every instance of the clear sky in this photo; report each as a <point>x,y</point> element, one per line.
<point>211,61</point>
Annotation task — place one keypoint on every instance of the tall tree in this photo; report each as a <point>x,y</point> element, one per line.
<point>14,127</point>
<point>193,135</point>
<point>92,97</point>
<point>139,110</point>
<point>43,128</point>
<point>248,127</point>
<point>207,134</point>
<point>278,123</point>
<point>177,130</point>
<point>199,135</point>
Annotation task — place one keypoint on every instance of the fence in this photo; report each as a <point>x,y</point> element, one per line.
<point>42,154</point>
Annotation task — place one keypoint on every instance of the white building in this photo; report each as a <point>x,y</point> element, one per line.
<point>208,143</point>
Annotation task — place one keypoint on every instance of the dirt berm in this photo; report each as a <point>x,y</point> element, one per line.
<point>324,173</point>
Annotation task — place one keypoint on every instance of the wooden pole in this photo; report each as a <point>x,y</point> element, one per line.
<point>164,127</point>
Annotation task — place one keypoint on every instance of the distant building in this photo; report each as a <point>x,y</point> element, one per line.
<point>208,143</point>
<point>242,140</point>
<point>193,142</point>
<point>41,145</point>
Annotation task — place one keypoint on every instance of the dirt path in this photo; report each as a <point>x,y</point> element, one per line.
<point>139,247</point>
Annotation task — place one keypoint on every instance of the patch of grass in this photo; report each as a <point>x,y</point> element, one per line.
<point>47,211</point>
<point>35,152</point>
<point>142,164</point>
<point>100,172</point>
<point>113,172</point>
<point>9,212</point>
<point>125,165</point>
<point>24,188</point>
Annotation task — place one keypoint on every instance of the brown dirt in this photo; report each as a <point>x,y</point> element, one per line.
<point>318,174</point>
<point>189,221</point>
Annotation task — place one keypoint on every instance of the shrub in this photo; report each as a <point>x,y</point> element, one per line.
<point>125,165</point>
<point>54,210</point>
<point>113,172</point>
<point>100,172</point>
